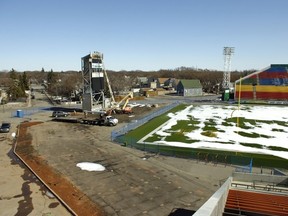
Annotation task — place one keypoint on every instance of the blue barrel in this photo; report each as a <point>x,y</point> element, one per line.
<point>20,113</point>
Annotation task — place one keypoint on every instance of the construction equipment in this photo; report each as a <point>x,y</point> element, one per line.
<point>103,120</point>
<point>94,98</point>
<point>119,108</point>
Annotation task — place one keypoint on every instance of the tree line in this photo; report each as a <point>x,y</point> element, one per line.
<point>64,83</point>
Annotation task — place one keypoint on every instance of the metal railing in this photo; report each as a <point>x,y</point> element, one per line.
<point>139,122</point>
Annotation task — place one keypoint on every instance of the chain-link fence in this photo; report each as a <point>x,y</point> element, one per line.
<point>242,163</point>
<point>117,133</point>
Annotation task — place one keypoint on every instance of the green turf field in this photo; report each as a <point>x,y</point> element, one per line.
<point>177,134</point>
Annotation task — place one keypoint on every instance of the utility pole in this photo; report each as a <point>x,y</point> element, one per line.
<point>29,95</point>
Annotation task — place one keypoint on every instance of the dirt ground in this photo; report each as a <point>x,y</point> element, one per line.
<point>21,192</point>
<point>76,201</point>
<point>138,112</point>
<point>134,182</point>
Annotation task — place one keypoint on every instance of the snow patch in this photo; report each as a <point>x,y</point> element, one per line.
<point>90,166</point>
<point>276,138</point>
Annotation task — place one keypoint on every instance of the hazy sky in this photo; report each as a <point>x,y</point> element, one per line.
<point>143,35</point>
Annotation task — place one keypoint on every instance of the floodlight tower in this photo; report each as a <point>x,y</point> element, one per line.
<point>227,52</point>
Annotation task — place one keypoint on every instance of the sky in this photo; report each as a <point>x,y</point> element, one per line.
<point>142,35</point>
<point>230,134</point>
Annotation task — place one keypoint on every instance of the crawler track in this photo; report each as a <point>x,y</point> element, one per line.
<point>70,196</point>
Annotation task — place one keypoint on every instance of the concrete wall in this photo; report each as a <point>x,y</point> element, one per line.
<point>250,177</point>
<point>216,203</point>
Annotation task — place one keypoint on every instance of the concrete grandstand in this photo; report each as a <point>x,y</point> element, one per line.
<point>249,194</point>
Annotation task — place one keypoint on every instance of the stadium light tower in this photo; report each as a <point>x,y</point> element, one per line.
<point>227,52</point>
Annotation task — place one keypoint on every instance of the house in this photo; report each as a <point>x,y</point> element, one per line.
<point>161,82</point>
<point>189,87</point>
<point>170,83</point>
<point>142,82</point>
<point>152,82</point>
<point>270,83</point>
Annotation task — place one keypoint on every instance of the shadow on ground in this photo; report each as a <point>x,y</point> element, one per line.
<point>181,212</point>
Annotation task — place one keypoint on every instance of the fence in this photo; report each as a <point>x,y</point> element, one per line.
<point>200,155</point>
<point>274,180</point>
<point>117,133</point>
<point>206,156</point>
<point>29,112</point>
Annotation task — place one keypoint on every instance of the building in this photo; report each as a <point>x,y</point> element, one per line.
<point>142,82</point>
<point>161,82</point>
<point>189,87</point>
<point>171,83</point>
<point>270,83</point>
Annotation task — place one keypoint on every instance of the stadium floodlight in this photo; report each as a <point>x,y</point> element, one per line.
<point>227,52</point>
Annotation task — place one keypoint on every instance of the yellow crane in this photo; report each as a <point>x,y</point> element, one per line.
<point>117,107</point>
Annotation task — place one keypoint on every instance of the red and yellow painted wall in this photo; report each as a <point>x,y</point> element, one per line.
<point>268,84</point>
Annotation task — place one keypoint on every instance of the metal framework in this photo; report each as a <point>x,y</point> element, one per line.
<point>91,67</point>
<point>93,74</point>
<point>227,52</point>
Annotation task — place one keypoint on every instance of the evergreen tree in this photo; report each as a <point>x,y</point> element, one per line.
<point>18,84</point>
<point>24,82</point>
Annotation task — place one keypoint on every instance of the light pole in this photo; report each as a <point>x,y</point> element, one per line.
<point>29,95</point>
<point>227,52</point>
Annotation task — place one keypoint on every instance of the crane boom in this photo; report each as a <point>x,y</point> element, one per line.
<point>109,86</point>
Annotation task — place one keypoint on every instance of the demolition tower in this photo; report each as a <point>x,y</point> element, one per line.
<point>93,78</point>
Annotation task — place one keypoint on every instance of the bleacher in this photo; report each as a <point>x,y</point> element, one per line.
<point>240,202</point>
<point>250,195</point>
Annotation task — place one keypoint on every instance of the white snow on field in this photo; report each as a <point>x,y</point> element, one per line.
<point>90,166</point>
<point>278,137</point>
